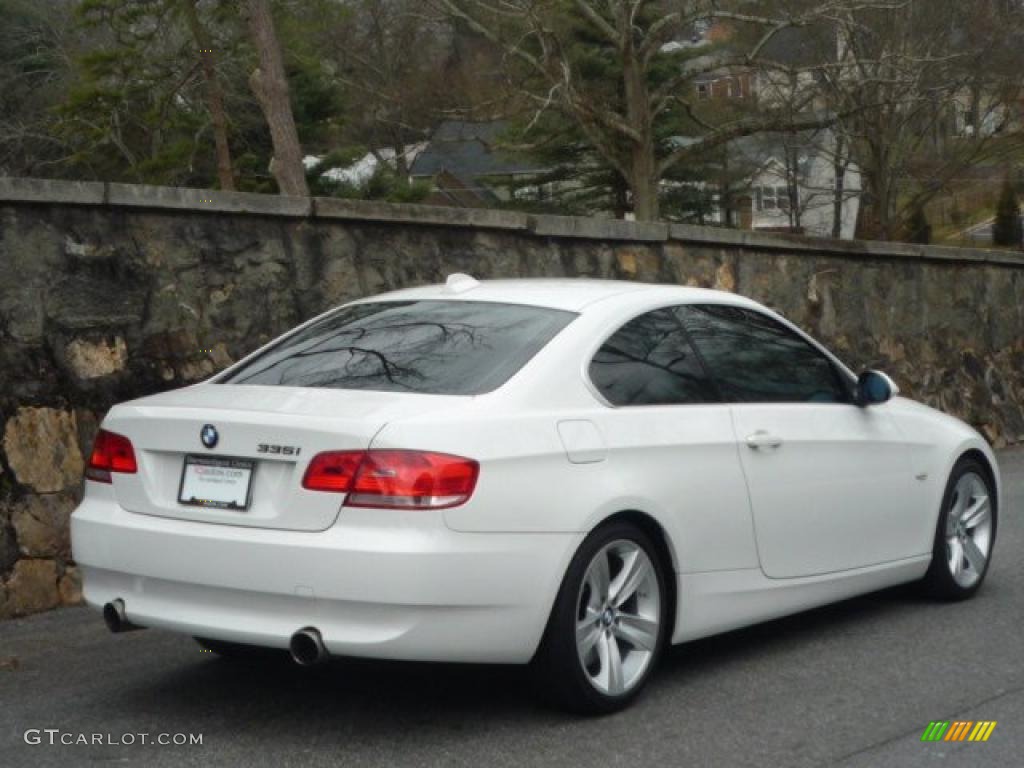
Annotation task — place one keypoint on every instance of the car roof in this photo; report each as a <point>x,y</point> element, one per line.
<point>570,294</point>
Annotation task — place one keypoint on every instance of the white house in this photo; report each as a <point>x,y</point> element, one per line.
<point>798,183</point>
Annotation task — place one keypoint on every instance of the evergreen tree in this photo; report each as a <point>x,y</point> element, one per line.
<point>1006,230</point>
<point>581,179</point>
<point>138,106</point>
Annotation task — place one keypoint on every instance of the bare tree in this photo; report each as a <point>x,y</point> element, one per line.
<point>37,48</point>
<point>626,124</point>
<point>270,85</point>
<point>900,72</point>
<point>389,55</point>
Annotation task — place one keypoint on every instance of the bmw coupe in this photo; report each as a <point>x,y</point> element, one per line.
<point>567,473</point>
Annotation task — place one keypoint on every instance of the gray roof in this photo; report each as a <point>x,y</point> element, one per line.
<point>760,148</point>
<point>801,46</point>
<point>468,151</point>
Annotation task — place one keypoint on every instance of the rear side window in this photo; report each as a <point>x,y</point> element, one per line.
<point>755,359</point>
<point>428,347</point>
<point>649,361</point>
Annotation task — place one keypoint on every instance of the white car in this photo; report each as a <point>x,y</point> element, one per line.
<point>571,473</point>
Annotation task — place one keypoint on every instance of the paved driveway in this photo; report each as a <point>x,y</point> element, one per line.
<point>853,684</point>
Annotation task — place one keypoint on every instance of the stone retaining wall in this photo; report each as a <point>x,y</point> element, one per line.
<point>111,291</point>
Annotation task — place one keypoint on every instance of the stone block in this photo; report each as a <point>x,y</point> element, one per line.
<point>42,524</point>
<point>598,229</point>
<point>725,278</point>
<point>364,210</point>
<point>41,445</point>
<point>205,200</point>
<point>93,359</point>
<point>70,586</point>
<point>51,191</point>
<point>31,588</point>
<point>82,302</point>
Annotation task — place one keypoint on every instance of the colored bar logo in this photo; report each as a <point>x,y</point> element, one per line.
<point>958,730</point>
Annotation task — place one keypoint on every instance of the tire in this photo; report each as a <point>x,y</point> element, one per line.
<point>965,533</point>
<point>238,651</point>
<point>628,627</point>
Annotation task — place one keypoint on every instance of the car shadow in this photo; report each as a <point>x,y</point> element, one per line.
<point>376,697</point>
<point>792,631</point>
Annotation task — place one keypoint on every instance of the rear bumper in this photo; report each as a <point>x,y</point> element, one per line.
<point>375,585</point>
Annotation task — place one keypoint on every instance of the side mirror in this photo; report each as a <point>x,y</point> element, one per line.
<point>875,388</point>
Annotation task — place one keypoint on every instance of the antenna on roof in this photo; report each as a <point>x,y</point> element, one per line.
<point>460,283</point>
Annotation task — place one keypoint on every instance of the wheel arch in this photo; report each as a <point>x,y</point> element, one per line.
<point>666,553</point>
<point>972,449</point>
<point>979,456</point>
<point>988,463</point>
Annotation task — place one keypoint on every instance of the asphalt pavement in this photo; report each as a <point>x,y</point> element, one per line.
<point>854,684</point>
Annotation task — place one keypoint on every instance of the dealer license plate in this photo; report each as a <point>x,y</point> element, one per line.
<point>219,483</point>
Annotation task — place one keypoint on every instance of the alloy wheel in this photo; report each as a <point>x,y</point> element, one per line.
<point>618,617</point>
<point>968,530</point>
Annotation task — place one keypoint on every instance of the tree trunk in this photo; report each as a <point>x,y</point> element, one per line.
<point>879,219</point>
<point>643,165</point>
<point>643,184</point>
<point>214,96</point>
<point>839,165</point>
<point>620,196</point>
<point>793,188</point>
<point>270,85</point>
<point>402,163</point>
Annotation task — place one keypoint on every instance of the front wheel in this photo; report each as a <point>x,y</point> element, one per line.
<point>965,533</point>
<point>607,627</point>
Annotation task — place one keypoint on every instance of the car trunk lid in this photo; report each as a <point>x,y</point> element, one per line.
<point>275,430</point>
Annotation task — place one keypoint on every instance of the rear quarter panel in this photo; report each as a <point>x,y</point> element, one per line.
<point>528,484</point>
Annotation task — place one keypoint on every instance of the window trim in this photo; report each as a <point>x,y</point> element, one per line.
<point>843,374</point>
<point>588,358</point>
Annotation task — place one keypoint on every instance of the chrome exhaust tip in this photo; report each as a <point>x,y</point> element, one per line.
<point>116,619</point>
<point>307,647</point>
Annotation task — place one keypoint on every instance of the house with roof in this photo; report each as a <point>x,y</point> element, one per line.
<point>793,187</point>
<point>788,181</point>
<point>468,168</point>
<point>782,182</point>
<point>796,49</point>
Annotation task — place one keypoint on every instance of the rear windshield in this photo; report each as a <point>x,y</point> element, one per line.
<point>429,347</point>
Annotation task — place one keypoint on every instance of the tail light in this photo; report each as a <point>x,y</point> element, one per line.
<point>110,453</point>
<point>394,479</point>
<point>333,471</point>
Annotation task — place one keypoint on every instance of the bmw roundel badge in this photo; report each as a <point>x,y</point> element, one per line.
<point>208,434</point>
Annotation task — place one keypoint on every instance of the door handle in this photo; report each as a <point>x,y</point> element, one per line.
<point>762,439</point>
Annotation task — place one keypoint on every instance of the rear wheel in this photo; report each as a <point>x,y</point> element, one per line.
<point>965,533</point>
<point>606,629</point>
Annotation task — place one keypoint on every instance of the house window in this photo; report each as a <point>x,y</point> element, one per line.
<point>728,88</point>
<point>772,199</point>
<point>528,192</point>
<point>703,91</point>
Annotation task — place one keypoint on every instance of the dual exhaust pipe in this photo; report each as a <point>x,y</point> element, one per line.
<point>306,646</point>
<point>116,619</point>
